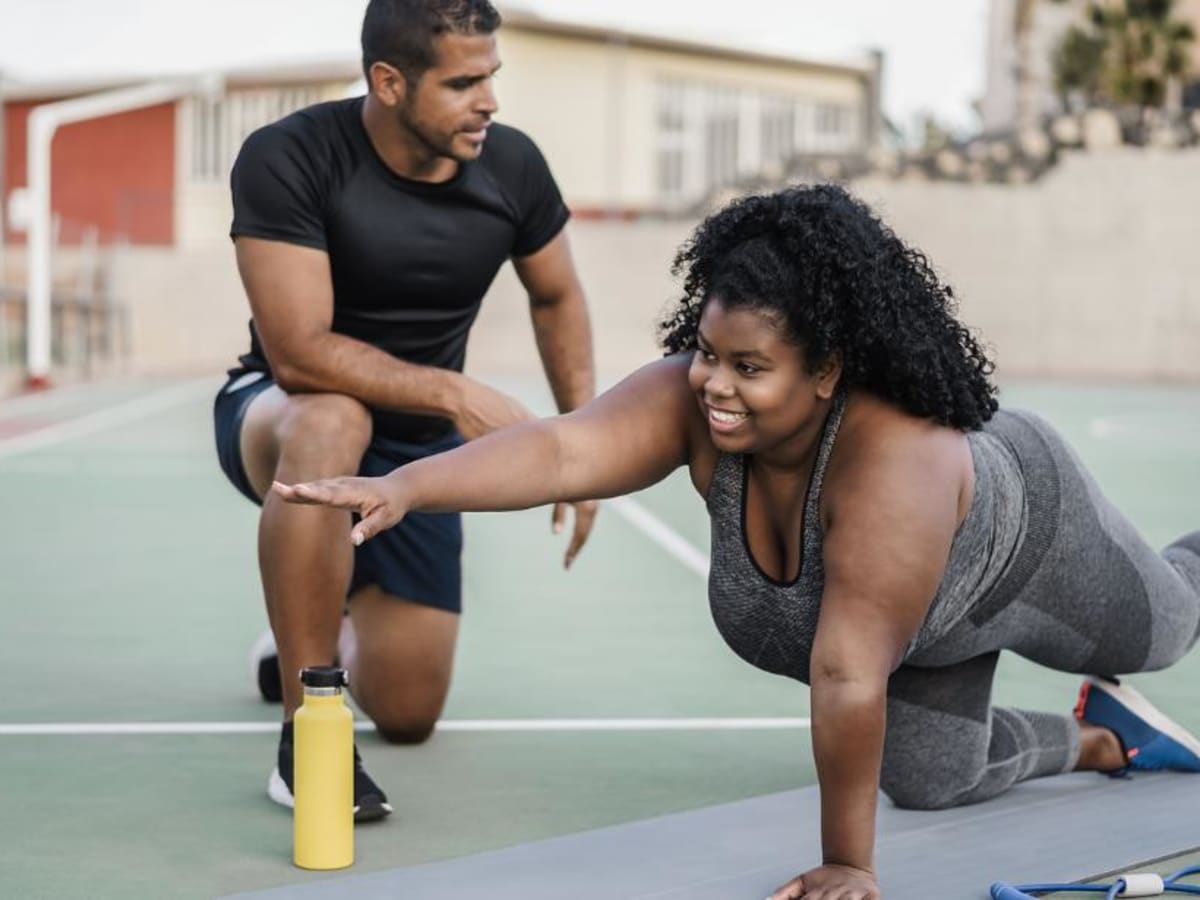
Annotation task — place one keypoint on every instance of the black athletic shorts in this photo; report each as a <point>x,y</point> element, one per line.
<point>418,560</point>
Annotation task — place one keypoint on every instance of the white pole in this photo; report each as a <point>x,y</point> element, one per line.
<point>44,120</point>
<point>3,187</point>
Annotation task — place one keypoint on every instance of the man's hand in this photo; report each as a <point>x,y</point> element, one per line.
<point>483,409</point>
<point>585,516</point>
<point>831,883</point>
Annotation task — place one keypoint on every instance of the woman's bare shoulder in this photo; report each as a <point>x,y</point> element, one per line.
<point>880,444</point>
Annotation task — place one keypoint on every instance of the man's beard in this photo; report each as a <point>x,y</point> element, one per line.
<point>436,147</point>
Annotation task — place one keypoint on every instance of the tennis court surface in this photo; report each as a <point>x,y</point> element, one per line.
<point>600,741</point>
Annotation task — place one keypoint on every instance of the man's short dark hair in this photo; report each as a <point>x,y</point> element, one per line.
<point>401,32</point>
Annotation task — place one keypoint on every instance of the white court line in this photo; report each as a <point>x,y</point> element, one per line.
<point>1151,427</point>
<point>655,529</point>
<point>121,414</point>
<point>461,725</point>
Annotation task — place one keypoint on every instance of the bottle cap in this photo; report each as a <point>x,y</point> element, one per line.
<point>324,677</point>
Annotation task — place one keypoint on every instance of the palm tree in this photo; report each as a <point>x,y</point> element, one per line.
<point>1078,64</point>
<point>1132,53</point>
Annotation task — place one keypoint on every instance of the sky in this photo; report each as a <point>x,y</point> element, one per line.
<point>934,48</point>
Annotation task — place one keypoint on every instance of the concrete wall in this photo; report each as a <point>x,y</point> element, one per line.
<point>188,311</point>
<point>1091,272</point>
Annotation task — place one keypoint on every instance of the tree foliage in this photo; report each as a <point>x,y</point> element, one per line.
<point>1125,53</point>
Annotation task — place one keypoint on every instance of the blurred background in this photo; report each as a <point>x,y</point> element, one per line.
<point>1044,153</point>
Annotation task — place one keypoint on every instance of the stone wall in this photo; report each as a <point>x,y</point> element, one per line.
<point>1092,271</point>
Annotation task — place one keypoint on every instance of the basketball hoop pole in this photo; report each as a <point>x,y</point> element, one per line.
<point>44,120</point>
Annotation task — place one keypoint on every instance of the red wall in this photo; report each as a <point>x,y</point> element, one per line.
<point>116,172</point>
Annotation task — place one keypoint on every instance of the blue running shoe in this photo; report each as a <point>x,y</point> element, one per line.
<point>1150,740</point>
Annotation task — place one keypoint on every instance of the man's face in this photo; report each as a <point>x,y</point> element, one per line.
<point>450,107</point>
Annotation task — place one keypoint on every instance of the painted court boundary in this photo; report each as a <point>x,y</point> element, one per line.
<point>120,414</point>
<point>461,725</point>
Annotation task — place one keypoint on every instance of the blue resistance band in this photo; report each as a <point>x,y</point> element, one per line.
<point>1139,885</point>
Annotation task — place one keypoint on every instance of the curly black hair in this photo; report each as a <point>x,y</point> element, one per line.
<point>842,282</point>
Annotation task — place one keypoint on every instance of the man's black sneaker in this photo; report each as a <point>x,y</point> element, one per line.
<point>370,802</point>
<point>264,668</point>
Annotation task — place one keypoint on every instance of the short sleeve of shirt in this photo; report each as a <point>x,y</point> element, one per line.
<point>276,190</point>
<point>542,210</point>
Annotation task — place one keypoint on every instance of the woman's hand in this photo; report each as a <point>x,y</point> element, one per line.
<point>831,883</point>
<point>378,501</point>
<point>585,516</point>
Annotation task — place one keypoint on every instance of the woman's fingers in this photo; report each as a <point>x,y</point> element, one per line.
<point>790,891</point>
<point>373,522</point>
<point>585,517</point>
<point>339,492</point>
<point>362,495</point>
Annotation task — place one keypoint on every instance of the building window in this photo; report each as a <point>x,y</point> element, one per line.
<point>835,127</point>
<point>778,130</point>
<point>670,172</point>
<point>218,127</point>
<point>721,120</point>
<point>672,101</point>
<point>672,137</point>
<point>709,135</point>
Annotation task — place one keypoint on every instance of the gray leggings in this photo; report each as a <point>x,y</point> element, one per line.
<point>1084,593</point>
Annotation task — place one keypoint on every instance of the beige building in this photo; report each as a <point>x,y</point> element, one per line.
<point>631,123</point>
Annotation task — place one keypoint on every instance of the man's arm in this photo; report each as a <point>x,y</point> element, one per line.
<point>560,322</point>
<point>564,339</point>
<point>290,289</point>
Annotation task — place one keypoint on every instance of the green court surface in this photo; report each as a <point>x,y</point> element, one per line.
<point>130,598</point>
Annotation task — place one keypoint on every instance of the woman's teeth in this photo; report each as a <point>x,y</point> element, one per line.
<point>726,418</point>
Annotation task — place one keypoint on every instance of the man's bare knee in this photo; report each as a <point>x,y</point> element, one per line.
<point>328,430</point>
<point>406,733</point>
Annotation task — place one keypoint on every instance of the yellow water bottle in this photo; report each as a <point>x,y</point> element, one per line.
<point>324,772</point>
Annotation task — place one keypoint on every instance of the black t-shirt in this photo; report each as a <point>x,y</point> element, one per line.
<point>411,261</point>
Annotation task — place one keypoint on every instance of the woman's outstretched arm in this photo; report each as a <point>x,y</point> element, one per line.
<point>631,436</point>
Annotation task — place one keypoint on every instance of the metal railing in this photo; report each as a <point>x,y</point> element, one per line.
<point>88,333</point>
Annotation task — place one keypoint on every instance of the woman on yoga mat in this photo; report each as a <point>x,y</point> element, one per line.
<point>880,529</point>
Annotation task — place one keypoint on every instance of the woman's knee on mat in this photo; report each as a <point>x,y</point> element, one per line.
<point>913,782</point>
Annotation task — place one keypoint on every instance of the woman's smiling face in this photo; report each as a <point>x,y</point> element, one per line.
<point>751,379</point>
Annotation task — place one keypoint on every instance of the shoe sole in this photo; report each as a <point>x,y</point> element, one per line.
<point>278,791</point>
<point>372,812</point>
<point>1147,711</point>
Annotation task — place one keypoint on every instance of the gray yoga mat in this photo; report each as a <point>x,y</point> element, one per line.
<point>1053,829</point>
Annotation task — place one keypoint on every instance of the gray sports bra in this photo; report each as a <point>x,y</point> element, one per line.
<point>772,624</point>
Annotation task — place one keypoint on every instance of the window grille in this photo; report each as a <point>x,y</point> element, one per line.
<point>219,126</point>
